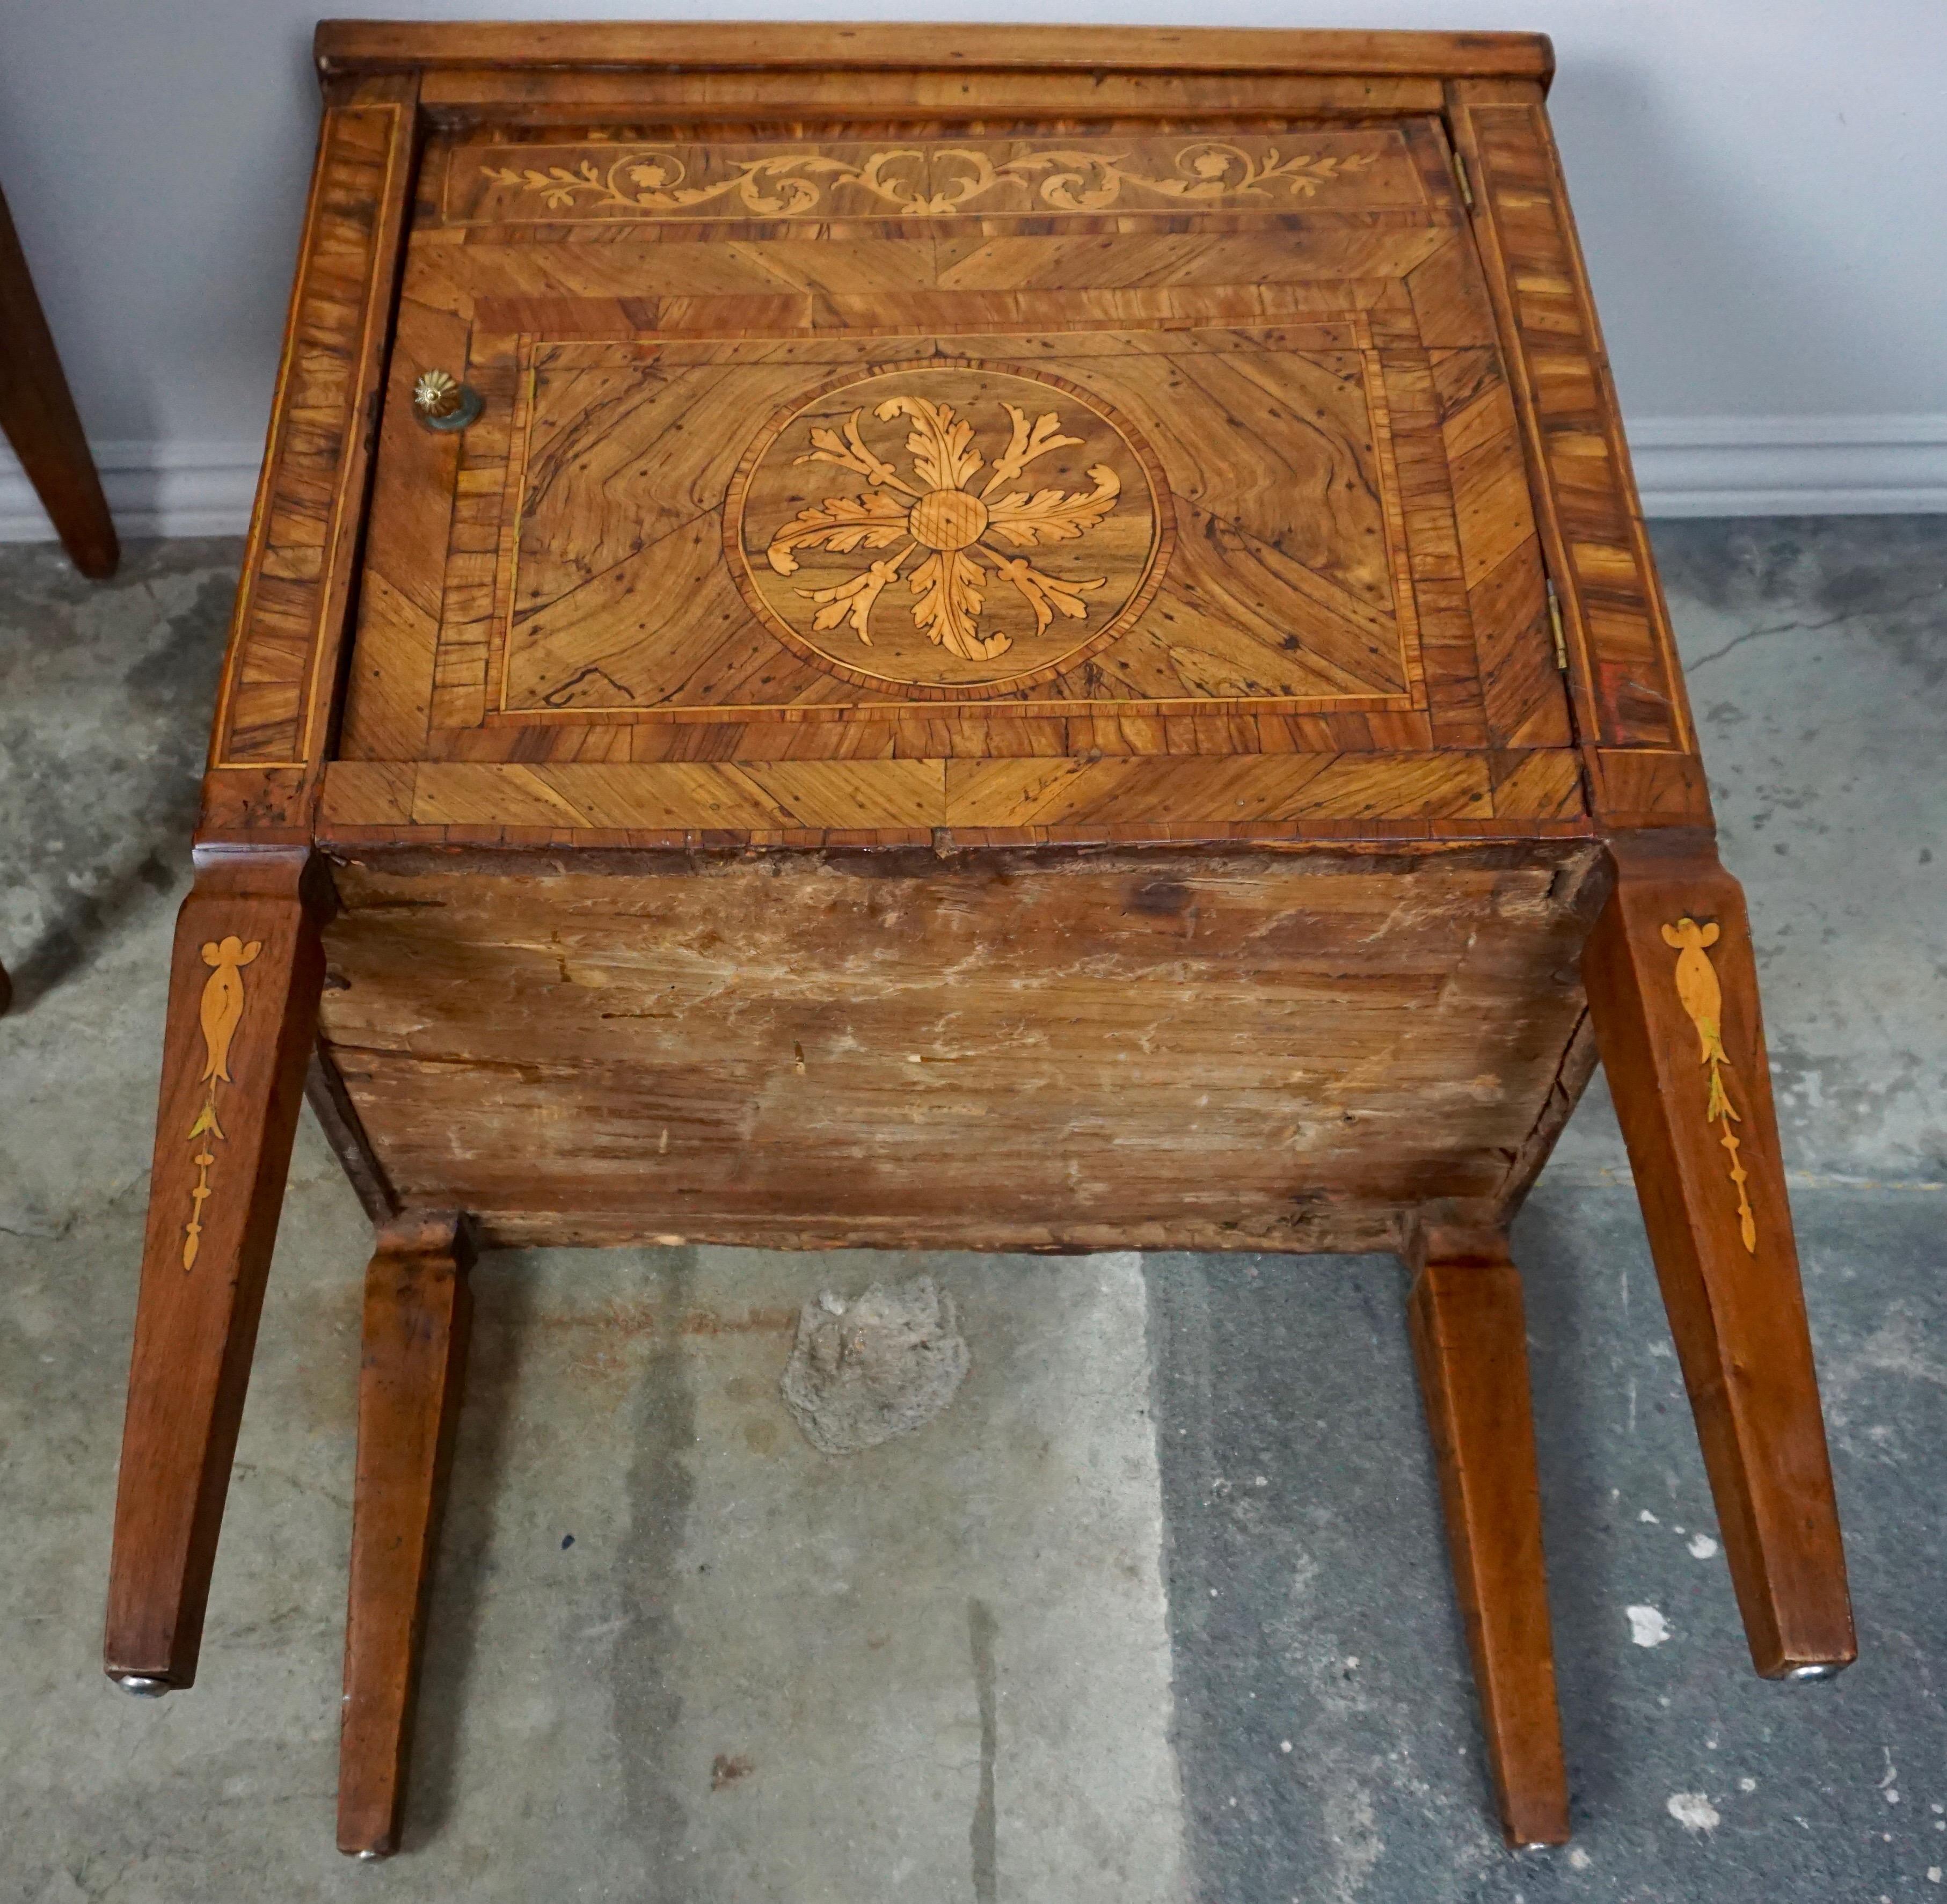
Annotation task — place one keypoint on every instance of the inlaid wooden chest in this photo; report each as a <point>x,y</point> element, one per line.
<point>1013,638</point>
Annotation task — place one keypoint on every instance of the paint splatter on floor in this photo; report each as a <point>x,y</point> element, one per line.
<point>1647,1627</point>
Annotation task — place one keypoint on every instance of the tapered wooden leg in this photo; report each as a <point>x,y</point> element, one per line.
<point>417,1308</point>
<point>38,414</point>
<point>244,989</point>
<point>1471,1344</point>
<point>1673,990</point>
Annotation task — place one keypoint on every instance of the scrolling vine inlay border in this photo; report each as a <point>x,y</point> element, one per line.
<point>652,180</point>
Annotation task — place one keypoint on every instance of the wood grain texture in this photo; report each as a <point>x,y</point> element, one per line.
<point>1672,991</point>
<point>1641,789</point>
<point>1005,579</point>
<point>418,1309</point>
<point>244,989</point>
<point>1294,526</point>
<point>389,685</point>
<point>276,702</point>
<point>325,1094</point>
<point>1629,686</point>
<point>1018,1052</point>
<point>1264,571</point>
<point>38,414</point>
<point>781,99</point>
<point>1019,730</point>
<point>367,45</point>
<point>1470,1343</point>
<point>1508,793</point>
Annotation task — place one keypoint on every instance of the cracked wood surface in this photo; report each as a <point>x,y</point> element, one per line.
<point>1200,1050</point>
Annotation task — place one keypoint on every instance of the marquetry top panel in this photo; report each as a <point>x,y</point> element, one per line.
<point>1284,340</point>
<point>903,447</point>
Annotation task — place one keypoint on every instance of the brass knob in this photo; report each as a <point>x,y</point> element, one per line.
<point>441,403</point>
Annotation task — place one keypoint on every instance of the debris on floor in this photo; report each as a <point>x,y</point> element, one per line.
<point>862,1372</point>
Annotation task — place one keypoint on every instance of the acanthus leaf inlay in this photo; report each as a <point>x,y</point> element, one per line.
<point>947,519</point>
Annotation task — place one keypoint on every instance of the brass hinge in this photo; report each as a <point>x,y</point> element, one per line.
<point>1554,622</point>
<point>1460,177</point>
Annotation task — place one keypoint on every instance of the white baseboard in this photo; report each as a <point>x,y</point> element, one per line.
<point>1790,466</point>
<point>165,489</point>
<point>1685,465</point>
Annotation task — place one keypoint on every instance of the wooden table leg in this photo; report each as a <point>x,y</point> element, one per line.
<point>244,982</point>
<point>1471,1344</point>
<point>37,412</point>
<point>417,1309</point>
<point>1672,991</point>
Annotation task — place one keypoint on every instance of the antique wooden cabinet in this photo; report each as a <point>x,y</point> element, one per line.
<point>1021,639</point>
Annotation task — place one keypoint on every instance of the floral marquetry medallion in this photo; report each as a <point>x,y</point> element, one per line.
<point>952,525</point>
<point>1211,514</point>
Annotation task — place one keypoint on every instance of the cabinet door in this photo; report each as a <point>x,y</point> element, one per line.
<point>1039,480</point>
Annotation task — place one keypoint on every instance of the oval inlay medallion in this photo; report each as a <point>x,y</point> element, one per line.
<point>949,529</point>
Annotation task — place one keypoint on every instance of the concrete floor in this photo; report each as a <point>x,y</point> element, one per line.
<point>1158,1609</point>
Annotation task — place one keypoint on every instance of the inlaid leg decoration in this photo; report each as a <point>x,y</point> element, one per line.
<point>417,1309</point>
<point>244,990</point>
<point>1673,989</point>
<point>1471,1344</point>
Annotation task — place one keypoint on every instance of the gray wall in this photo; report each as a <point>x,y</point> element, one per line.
<point>1759,184</point>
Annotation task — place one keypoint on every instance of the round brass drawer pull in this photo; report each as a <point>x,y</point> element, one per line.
<point>442,403</point>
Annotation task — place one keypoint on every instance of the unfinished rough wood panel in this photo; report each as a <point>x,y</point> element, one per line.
<point>1205,1052</point>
